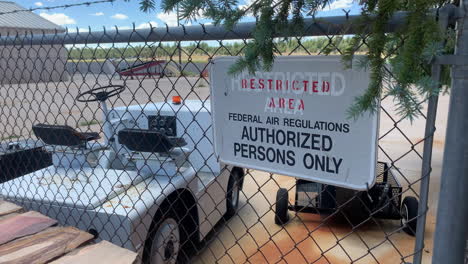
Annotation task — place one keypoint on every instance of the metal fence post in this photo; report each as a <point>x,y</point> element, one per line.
<point>427,151</point>
<point>452,213</point>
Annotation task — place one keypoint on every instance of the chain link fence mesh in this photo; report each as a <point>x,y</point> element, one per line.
<point>110,175</point>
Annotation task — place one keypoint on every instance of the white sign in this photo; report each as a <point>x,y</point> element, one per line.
<point>292,120</point>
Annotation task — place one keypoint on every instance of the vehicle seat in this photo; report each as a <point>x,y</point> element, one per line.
<point>144,140</point>
<point>63,135</point>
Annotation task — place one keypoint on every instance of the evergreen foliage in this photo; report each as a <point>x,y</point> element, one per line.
<point>406,52</point>
<point>202,51</point>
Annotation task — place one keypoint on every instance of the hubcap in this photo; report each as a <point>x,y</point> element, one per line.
<point>169,250</point>
<point>166,243</point>
<point>404,215</point>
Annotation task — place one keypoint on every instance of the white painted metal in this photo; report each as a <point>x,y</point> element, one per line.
<point>313,139</point>
<point>85,189</point>
<point>194,125</point>
<point>108,133</point>
<point>193,119</point>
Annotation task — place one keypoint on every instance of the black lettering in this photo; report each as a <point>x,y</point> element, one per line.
<point>276,120</point>
<point>305,140</point>
<point>337,165</point>
<point>245,133</point>
<point>317,125</point>
<point>280,140</point>
<point>252,152</point>
<point>339,127</point>
<point>252,137</point>
<point>280,156</point>
<point>236,148</point>
<point>291,161</point>
<point>346,128</point>
<point>298,123</point>
<point>262,131</point>
<point>315,141</point>
<point>261,153</point>
<point>322,124</point>
<point>327,143</point>
<point>270,136</point>
<point>291,138</point>
<point>308,161</point>
<point>270,158</point>
<point>244,151</point>
<point>328,166</point>
<point>320,162</point>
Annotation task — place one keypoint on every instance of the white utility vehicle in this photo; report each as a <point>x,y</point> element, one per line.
<point>154,185</point>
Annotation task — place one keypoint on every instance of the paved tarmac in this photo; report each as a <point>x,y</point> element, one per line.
<point>253,236</point>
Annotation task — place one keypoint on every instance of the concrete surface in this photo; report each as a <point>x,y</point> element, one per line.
<point>251,235</point>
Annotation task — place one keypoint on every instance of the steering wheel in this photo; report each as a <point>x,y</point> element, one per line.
<point>100,94</point>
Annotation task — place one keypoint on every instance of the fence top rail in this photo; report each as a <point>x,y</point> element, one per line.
<point>321,26</point>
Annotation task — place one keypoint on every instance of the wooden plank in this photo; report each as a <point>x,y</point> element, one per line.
<point>3,217</point>
<point>103,253</point>
<point>23,225</point>
<point>44,246</point>
<point>8,208</point>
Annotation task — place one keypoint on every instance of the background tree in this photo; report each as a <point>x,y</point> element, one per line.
<point>407,52</point>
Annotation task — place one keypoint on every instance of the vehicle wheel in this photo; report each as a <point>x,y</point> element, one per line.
<point>165,242</point>
<point>409,212</point>
<point>281,212</point>
<point>232,195</point>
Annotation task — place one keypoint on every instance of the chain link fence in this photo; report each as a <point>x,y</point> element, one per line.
<point>111,132</point>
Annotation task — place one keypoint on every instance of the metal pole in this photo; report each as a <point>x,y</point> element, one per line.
<point>427,151</point>
<point>452,213</point>
<point>178,43</point>
<point>108,131</point>
<point>323,26</point>
<point>426,169</point>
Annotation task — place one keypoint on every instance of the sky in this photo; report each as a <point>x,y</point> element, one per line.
<point>123,14</point>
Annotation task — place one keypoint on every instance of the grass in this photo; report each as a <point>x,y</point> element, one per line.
<point>196,58</point>
<point>188,74</point>
<point>10,137</point>
<point>89,123</point>
<point>201,84</point>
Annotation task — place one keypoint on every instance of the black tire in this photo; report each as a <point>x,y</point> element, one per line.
<point>409,213</point>
<point>281,210</point>
<point>232,194</point>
